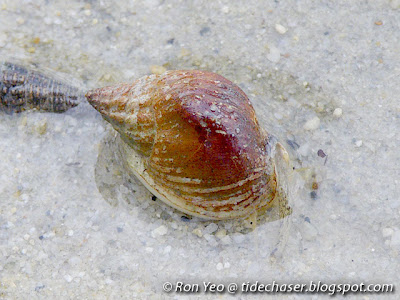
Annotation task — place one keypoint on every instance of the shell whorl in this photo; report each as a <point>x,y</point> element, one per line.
<point>24,88</point>
<point>198,141</point>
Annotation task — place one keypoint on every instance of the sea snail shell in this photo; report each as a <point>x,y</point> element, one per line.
<point>193,139</point>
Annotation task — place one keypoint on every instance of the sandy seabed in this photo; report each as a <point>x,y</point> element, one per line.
<point>321,76</point>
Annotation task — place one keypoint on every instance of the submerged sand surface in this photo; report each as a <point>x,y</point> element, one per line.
<point>321,75</point>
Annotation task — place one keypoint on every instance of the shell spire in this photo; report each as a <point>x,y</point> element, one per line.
<point>128,108</point>
<point>194,140</point>
<point>23,88</point>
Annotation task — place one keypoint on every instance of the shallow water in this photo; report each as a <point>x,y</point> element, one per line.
<point>330,82</point>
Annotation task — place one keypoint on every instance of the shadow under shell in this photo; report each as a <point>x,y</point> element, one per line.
<point>119,187</point>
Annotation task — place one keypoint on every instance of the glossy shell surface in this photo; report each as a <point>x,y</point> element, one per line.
<point>193,139</point>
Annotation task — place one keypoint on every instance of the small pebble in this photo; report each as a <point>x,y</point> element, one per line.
<point>220,266</point>
<point>225,9</point>
<point>157,69</point>
<point>227,265</point>
<point>162,230</point>
<point>313,195</point>
<point>39,287</point>
<point>149,249</point>
<point>20,21</point>
<point>41,126</point>
<point>280,28</point>
<point>337,112</point>
<point>107,77</point>
<point>312,124</point>
<point>274,54</point>
<point>204,31</point>
<point>386,232</point>
<point>211,239</point>
<point>198,232</point>
<point>395,241</point>
<point>359,143</point>
<point>212,227</point>
<point>221,233</point>
<point>226,240</point>
<point>321,153</point>
<point>68,278</point>
<point>74,261</point>
<point>185,219</point>
<point>184,52</point>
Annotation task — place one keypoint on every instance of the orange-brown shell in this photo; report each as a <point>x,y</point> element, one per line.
<point>195,142</point>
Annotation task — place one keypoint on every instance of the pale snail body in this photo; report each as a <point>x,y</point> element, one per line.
<point>193,139</point>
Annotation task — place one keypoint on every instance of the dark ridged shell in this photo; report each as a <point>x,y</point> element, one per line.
<point>22,89</point>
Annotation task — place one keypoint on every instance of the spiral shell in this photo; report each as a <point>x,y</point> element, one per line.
<point>193,139</point>
<point>23,88</point>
